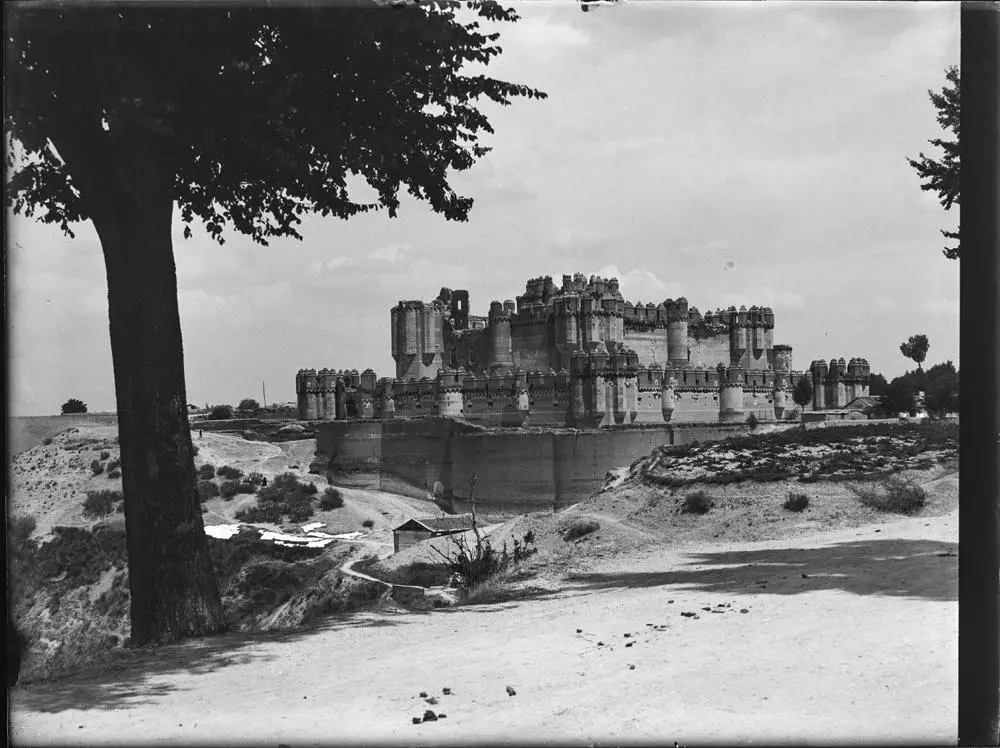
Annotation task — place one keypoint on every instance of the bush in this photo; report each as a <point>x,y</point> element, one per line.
<point>256,479</point>
<point>229,472</point>
<point>697,502</point>
<point>332,499</point>
<point>114,473</point>
<point>752,422</point>
<point>229,489</point>
<point>286,495</point>
<point>261,513</point>
<point>474,565</point>
<point>898,496</point>
<point>368,523</point>
<point>96,467</point>
<point>244,486</point>
<point>207,489</point>
<point>580,527</point>
<point>796,502</point>
<point>206,471</point>
<point>249,404</point>
<point>105,455</point>
<point>74,406</point>
<point>101,502</point>
<point>47,440</point>
<point>221,413</point>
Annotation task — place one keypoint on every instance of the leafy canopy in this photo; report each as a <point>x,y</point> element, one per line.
<point>74,406</point>
<point>942,176</point>
<point>802,392</point>
<point>257,114</point>
<point>915,348</point>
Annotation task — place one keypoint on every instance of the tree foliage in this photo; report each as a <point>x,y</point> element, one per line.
<point>259,114</point>
<point>248,403</point>
<point>221,412</point>
<point>74,406</point>
<point>915,348</point>
<point>942,175</point>
<point>802,392</point>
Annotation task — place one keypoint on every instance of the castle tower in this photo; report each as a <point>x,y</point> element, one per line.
<point>677,332</point>
<point>460,309</point>
<point>818,370</point>
<point>782,355</point>
<point>500,344</point>
<point>308,405</point>
<point>667,397</point>
<point>417,331</point>
<point>326,398</point>
<point>450,398</point>
<point>731,394</point>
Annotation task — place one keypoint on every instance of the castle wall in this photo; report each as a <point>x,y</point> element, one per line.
<point>755,360</point>
<point>710,351</point>
<point>533,349</point>
<point>516,471</point>
<point>651,345</point>
<point>695,405</point>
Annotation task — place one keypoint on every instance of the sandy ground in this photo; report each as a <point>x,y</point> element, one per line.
<point>847,636</point>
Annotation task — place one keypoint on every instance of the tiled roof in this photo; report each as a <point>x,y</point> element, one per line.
<point>442,524</point>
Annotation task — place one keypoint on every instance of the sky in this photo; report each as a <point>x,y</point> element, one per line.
<point>732,154</point>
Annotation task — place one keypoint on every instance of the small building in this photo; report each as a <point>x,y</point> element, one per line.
<point>834,414</point>
<point>414,531</point>
<point>867,404</point>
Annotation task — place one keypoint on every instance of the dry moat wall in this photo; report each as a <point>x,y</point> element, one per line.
<point>515,470</point>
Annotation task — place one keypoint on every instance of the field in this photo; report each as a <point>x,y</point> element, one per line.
<point>747,622</point>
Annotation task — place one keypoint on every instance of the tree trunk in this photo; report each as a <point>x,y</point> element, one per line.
<point>171,579</point>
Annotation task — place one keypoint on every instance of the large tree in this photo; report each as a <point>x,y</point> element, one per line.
<point>247,117</point>
<point>942,175</point>
<point>915,348</point>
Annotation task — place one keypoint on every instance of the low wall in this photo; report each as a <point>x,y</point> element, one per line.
<point>514,470</point>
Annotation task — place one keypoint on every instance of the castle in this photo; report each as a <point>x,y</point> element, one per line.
<point>579,355</point>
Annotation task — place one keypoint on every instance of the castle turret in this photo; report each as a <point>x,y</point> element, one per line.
<point>451,402</point>
<point>326,397</point>
<point>818,370</point>
<point>667,396</point>
<point>782,357</point>
<point>731,408</point>
<point>501,345</point>
<point>417,331</point>
<point>677,332</point>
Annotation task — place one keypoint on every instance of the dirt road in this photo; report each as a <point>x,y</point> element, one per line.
<point>846,636</point>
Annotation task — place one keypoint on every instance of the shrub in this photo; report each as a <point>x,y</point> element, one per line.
<point>244,486</point>
<point>229,472</point>
<point>114,473</point>
<point>752,421</point>
<point>897,496</point>
<point>796,502</point>
<point>73,405</point>
<point>580,527</point>
<point>229,489</point>
<point>368,523</point>
<point>299,509</point>
<point>332,499</point>
<point>248,403</point>
<point>207,489</point>
<point>256,479</point>
<point>474,565</point>
<point>96,467</point>
<point>697,502</point>
<point>309,488</point>
<point>221,413</point>
<point>105,455</point>
<point>261,513</point>
<point>100,503</point>
<point>47,440</point>
<point>206,471</point>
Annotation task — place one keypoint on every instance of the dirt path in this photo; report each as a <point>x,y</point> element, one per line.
<point>846,636</point>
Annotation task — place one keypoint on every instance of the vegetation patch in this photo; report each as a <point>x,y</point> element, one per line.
<point>331,499</point>
<point>472,564</point>
<point>796,502</point>
<point>697,502</point>
<point>229,472</point>
<point>207,489</point>
<point>894,495</point>
<point>580,527</point>
<point>206,471</point>
<point>100,502</point>
<point>844,453</point>
<point>285,496</point>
